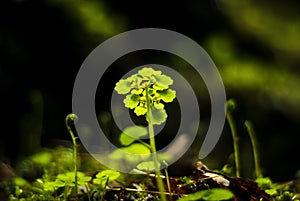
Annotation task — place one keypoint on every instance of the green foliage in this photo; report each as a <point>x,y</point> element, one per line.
<point>105,176</point>
<point>277,191</point>
<point>147,166</point>
<point>151,82</point>
<point>210,194</point>
<point>69,180</point>
<point>42,158</point>
<point>142,150</point>
<point>131,134</point>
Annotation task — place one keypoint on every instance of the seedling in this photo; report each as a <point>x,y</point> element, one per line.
<point>250,129</point>
<point>147,91</point>
<point>70,119</point>
<point>103,178</point>
<point>230,107</point>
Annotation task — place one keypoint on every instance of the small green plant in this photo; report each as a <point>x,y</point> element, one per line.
<point>67,181</point>
<point>210,194</point>
<point>103,178</point>
<point>250,129</point>
<point>146,92</point>
<point>70,119</point>
<point>230,107</point>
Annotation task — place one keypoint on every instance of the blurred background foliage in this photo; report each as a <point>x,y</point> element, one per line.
<point>255,45</point>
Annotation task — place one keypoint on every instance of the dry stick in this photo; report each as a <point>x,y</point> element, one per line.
<point>250,130</point>
<point>230,107</point>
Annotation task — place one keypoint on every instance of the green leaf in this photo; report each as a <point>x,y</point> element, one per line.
<point>135,148</point>
<point>82,179</point>
<point>148,72</point>
<point>53,185</point>
<point>105,176</point>
<point>110,174</point>
<point>131,134</point>
<point>69,178</point>
<point>100,182</point>
<point>140,110</point>
<point>126,140</point>
<point>131,101</point>
<point>159,115</point>
<point>66,177</point>
<point>158,105</point>
<point>123,86</point>
<point>137,91</point>
<point>210,194</point>
<point>162,81</point>
<point>19,181</point>
<point>167,95</point>
<point>272,191</point>
<point>264,182</point>
<point>42,158</point>
<point>147,166</point>
<point>135,131</point>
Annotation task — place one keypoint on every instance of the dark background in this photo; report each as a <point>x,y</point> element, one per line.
<point>254,44</point>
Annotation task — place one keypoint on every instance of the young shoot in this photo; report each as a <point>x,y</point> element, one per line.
<point>70,119</point>
<point>230,107</point>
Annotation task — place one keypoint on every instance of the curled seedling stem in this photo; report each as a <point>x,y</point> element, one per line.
<point>230,107</point>
<point>250,130</point>
<point>70,120</point>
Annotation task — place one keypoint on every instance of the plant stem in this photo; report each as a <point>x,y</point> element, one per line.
<point>250,130</point>
<point>167,177</point>
<point>71,118</point>
<point>158,178</point>
<point>230,106</point>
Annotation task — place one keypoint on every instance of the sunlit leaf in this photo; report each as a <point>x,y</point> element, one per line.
<point>126,139</point>
<point>135,131</point>
<point>53,185</point>
<point>147,165</point>
<point>148,72</point>
<point>159,115</point>
<point>105,176</point>
<point>140,110</point>
<point>159,87</point>
<point>131,101</point>
<point>137,91</point>
<point>100,182</point>
<point>167,95</point>
<point>162,81</point>
<point>123,87</point>
<point>110,174</point>
<point>82,179</point>
<point>130,134</point>
<point>19,181</point>
<point>137,148</point>
<point>42,158</point>
<point>210,194</point>
<point>264,182</point>
<point>159,105</point>
<point>66,177</point>
<point>272,191</point>
<point>133,149</point>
